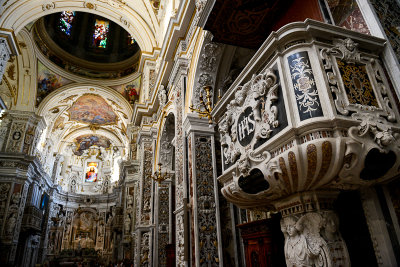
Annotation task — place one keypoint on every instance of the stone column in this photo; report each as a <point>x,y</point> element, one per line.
<point>145,211</point>
<point>162,221</point>
<point>19,134</point>
<point>311,230</point>
<point>203,195</point>
<point>8,48</point>
<point>12,222</point>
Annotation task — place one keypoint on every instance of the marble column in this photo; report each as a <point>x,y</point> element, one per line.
<point>145,220</point>
<point>203,195</point>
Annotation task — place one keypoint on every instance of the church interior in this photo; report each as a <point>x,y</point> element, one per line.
<point>199,133</point>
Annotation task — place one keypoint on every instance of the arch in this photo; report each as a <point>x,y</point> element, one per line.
<point>165,144</point>
<point>57,103</point>
<point>70,89</point>
<point>20,13</point>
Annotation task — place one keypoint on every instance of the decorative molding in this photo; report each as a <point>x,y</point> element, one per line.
<point>48,6</point>
<point>357,81</point>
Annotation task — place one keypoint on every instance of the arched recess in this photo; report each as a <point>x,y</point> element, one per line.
<point>165,190</point>
<point>166,143</point>
<point>18,14</point>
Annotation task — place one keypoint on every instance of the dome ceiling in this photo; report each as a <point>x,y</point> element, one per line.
<point>87,45</point>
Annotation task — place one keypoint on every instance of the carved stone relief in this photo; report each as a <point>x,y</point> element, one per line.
<point>351,76</point>
<point>313,239</point>
<point>5,54</point>
<point>206,205</point>
<point>146,187</point>
<point>251,116</point>
<point>206,74</point>
<point>163,223</point>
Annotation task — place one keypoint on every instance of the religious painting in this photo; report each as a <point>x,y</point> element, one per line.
<point>84,142</point>
<point>48,81</point>
<point>66,21</point>
<point>130,90</point>
<point>91,172</point>
<point>130,40</point>
<point>92,109</point>
<point>100,34</point>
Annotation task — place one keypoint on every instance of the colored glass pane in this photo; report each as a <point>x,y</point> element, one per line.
<point>66,20</point>
<point>100,34</point>
<point>131,40</point>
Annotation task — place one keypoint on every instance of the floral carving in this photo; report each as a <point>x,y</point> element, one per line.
<point>206,203</point>
<point>304,84</point>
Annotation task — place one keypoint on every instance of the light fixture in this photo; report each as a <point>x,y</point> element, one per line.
<point>159,176</point>
<point>206,112</point>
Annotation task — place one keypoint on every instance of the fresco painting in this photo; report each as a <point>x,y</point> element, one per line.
<point>92,109</point>
<point>84,142</point>
<point>130,90</point>
<point>48,81</point>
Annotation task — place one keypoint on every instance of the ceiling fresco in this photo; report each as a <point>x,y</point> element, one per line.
<point>48,81</point>
<point>92,109</point>
<point>84,142</point>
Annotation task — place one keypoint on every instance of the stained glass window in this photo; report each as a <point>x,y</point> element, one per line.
<point>131,40</point>
<point>66,20</point>
<point>100,33</point>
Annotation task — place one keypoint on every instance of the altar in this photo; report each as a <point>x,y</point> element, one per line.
<point>85,242</point>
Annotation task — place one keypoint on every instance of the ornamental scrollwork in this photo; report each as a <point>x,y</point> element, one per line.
<point>252,113</point>
<point>356,80</point>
